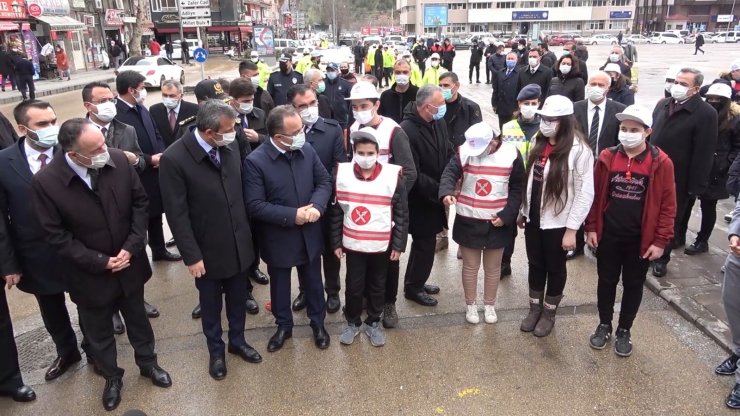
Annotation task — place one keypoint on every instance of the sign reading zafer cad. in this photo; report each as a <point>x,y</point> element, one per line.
<point>195,3</point>
<point>197,22</point>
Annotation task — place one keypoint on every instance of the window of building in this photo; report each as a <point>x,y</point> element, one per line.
<point>601,3</point>
<point>500,27</point>
<point>621,2</point>
<point>553,3</point>
<point>456,28</point>
<point>529,4</point>
<point>457,6</point>
<point>481,5</point>
<point>618,24</point>
<point>478,28</point>
<point>430,29</point>
<point>596,25</point>
<point>505,5</point>
<point>579,3</point>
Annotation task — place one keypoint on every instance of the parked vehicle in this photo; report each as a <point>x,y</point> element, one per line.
<point>636,39</point>
<point>155,69</point>
<point>281,44</point>
<point>337,55</point>
<point>460,44</point>
<point>666,37</point>
<point>562,39</point>
<point>727,37</point>
<point>602,39</point>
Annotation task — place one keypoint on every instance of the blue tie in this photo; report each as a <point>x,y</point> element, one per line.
<point>214,157</point>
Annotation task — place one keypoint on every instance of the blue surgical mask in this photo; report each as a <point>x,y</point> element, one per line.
<point>447,93</point>
<point>321,87</point>
<point>510,64</point>
<point>332,75</point>
<point>441,111</point>
<point>46,137</point>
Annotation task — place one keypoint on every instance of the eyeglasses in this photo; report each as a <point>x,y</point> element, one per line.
<point>105,100</point>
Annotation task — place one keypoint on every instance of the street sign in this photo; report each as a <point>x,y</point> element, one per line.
<point>722,18</point>
<point>197,22</point>
<point>34,10</point>
<point>200,55</point>
<point>195,3</point>
<point>190,13</point>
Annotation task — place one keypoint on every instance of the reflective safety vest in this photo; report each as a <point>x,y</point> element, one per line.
<point>368,208</point>
<point>512,133</point>
<point>485,186</point>
<point>384,133</point>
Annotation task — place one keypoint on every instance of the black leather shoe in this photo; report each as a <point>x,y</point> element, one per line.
<point>60,366</point>
<point>278,339</point>
<point>253,308</point>
<point>421,298</point>
<point>333,303</point>
<point>733,399</point>
<point>259,277</point>
<point>21,394</point>
<point>170,243</point>
<point>246,352</point>
<point>196,312</point>
<point>95,368</point>
<point>697,248</point>
<point>118,326</point>
<point>217,368</point>
<point>159,377</point>
<point>660,269</point>
<point>166,255</point>
<point>321,338</point>
<point>431,289</point>
<point>151,310</point>
<point>112,393</point>
<point>573,254</point>
<point>728,366</point>
<point>299,303</point>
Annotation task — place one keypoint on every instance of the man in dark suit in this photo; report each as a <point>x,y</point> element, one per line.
<point>11,380</point>
<point>505,90</point>
<point>203,198</point>
<point>24,71</point>
<point>262,99</point>
<point>168,114</point>
<point>327,139</point>
<point>93,209</point>
<point>8,137</point>
<point>130,110</point>
<point>534,73</point>
<point>287,190</point>
<point>99,102</point>
<point>596,117</point>
<point>26,259</point>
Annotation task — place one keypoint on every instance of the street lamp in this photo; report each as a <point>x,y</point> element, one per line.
<point>18,12</point>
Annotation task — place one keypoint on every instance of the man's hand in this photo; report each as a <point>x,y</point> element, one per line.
<point>116,264</point>
<point>197,270</point>
<point>497,221</point>
<point>653,253</point>
<point>12,279</point>
<point>252,135</point>
<point>339,253</point>
<point>520,221</point>
<point>312,213</point>
<point>569,240</point>
<point>300,216</point>
<point>124,255</point>
<point>592,240</point>
<point>735,245</point>
<point>395,255</point>
<point>132,158</point>
<point>155,160</point>
<point>449,200</point>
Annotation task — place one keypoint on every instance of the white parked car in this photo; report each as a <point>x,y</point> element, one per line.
<point>601,40</point>
<point>337,55</point>
<point>154,69</point>
<point>666,37</point>
<point>636,39</point>
<point>726,37</point>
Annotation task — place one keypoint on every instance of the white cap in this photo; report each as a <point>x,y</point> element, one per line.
<point>672,72</point>
<point>556,106</point>
<point>477,138</point>
<point>613,68</point>
<point>735,65</point>
<point>363,90</point>
<point>315,54</point>
<point>363,133</point>
<point>254,54</point>
<point>435,55</point>
<point>719,89</point>
<point>637,113</point>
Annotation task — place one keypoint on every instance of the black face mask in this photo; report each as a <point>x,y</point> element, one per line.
<point>344,71</point>
<point>717,105</point>
<point>284,67</point>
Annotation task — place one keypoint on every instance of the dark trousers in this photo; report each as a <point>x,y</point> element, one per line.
<point>10,371</point>
<point>308,273</point>
<point>256,245</point>
<point>476,68</point>
<point>211,303</point>
<point>581,238</point>
<point>378,72</point>
<point>509,249</point>
<point>185,56</point>
<point>546,259</point>
<point>331,263</point>
<point>447,64</point>
<point>25,84</point>
<point>56,320</point>
<point>697,49</point>
<point>156,234</point>
<point>99,332</point>
<point>366,274</point>
<point>4,78</point>
<point>421,260</point>
<point>387,72</point>
<point>708,217</point>
<point>422,66</point>
<point>359,67</point>
<point>489,74</point>
<point>391,279</point>
<point>617,257</point>
<point>503,119</point>
<point>683,210</point>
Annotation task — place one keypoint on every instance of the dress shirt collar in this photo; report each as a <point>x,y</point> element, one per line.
<point>276,146</point>
<point>206,147</point>
<point>99,126</point>
<point>34,154</point>
<point>81,171</point>
<point>602,106</point>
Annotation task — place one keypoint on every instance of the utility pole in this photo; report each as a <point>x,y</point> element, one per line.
<point>334,20</point>
<point>179,16</point>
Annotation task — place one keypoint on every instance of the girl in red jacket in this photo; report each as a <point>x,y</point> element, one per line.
<point>631,221</point>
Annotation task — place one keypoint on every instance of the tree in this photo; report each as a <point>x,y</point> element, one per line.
<point>140,10</point>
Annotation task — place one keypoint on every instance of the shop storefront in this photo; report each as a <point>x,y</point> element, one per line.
<point>10,22</point>
<point>56,27</point>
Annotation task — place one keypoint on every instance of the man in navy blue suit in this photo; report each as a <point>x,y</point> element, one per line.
<point>287,190</point>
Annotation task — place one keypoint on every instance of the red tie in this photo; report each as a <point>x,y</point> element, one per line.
<point>42,158</point>
<point>172,119</point>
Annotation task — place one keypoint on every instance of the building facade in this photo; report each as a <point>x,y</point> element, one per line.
<point>692,15</point>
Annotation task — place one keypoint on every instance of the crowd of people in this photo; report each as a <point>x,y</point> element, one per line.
<point>301,169</point>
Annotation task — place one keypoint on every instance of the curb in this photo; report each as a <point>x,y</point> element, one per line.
<point>57,90</point>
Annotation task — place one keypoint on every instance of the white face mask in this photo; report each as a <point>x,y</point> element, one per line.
<point>363,117</point>
<point>565,69</point>
<point>668,86</point>
<point>255,80</point>
<point>170,103</point>
<point>614,57</point>
<point>402,79</point>
<point>97,161</point>
<point>245,108</point>
<point>226,139</point>
<point>595,94</point>
<point>310,115</point>
<point>631,140</point>
<point>298,141</point>
<point>528,111</point>
<point>106,112</point>
<point>141,96</point>
<point>533,62</point>
<point>549,128</point>
<point>366,162</point>
<point>679,92</point>
<point>435,63</point>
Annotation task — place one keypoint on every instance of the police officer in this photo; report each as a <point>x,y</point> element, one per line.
<point>280,81</point>
<point>337,90</point>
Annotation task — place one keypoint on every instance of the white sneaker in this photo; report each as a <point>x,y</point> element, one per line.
<point>472,314</point>
<point>490,314</point>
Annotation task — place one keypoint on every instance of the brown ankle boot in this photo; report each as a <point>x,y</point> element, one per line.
<point>547,320</point>
<point>535,310</point>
